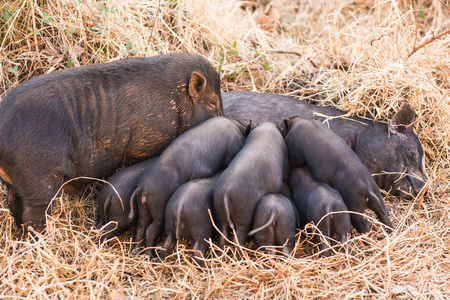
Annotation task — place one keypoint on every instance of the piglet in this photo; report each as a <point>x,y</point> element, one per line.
<point>114,203</point>
<point>200,152</point>
<point>320,204</point>
<point>274,223</point>
<point>187,216</point>
<point>331,161</point>
<point>258,169</point>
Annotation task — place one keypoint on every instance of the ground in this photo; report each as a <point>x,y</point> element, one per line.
<point>365,57</point>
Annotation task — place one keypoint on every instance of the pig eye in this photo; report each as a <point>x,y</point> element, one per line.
<point>411,153</point>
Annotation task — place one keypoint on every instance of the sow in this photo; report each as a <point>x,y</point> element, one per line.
<point>90,120</point>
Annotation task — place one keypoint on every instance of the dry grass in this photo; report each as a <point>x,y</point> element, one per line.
<point>355,55</point>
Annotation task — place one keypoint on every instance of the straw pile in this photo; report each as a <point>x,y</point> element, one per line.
<point>365,57</point>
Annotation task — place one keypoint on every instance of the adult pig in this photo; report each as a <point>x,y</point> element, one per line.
<point>114,200</point>
<point>187,216</point>
<point>331,161</point>
<point>274,223</point>
<point>392,152</point>
<point>90,120</point>
<point>198,153</point>
<point>320,204</point>
<point>258,169</point>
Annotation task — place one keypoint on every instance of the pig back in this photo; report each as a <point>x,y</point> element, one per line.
<point>258,168</point>
<point>203,150</point>
<point>94,118</point>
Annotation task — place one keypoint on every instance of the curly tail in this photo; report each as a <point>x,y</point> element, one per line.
<point>132,215</point>
<point>272,217</point>
<point>178,220</point>
<point>226,202</point>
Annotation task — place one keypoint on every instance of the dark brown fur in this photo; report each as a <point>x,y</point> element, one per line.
<point>90,120</point>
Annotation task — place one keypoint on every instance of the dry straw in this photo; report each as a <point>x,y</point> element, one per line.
<point>366,57</point>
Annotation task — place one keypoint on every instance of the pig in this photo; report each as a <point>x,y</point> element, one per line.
<point>390,151</point>
<point>315,200</point>
<point>114,203</point>
<point>258,169</point>
<point>331,161</point>
<point>198,153</point>
<point>90,120</point>
<point>274,223</point>
<point>187,216</point>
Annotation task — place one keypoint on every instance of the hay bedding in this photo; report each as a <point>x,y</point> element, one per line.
<point>365,57</point>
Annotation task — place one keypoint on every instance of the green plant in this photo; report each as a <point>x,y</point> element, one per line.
<point>13,70</point>
<point>129,47</point>
<point>46,18</point>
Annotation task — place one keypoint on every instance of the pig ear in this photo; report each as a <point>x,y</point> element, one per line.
<point>197,86</point>
<point>284,126</point>
<point>404,117</point>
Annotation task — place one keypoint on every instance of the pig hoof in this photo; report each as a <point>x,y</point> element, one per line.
<point>149,253</point>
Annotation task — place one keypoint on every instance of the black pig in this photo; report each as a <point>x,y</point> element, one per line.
<point>88,121</point>
<point>258,169</point>
<point>114,203</point>
<point>201,152</point>
<point>274,223</point>
<point>392,152</point>
<point>187,216</point>
<point>331,161</point>
<point>315,200</point>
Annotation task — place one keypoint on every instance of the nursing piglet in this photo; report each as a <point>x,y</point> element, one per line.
<point>274,223</point>
<point>258,169</point>
<point>114,200</point>
<point>198,153</point>
<point>187,216</point>
<point>320,204</point>
<point>331,161</point>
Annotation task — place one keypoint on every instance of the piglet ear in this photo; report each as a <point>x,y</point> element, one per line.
<point>284,126</point>
<point>404,117</point>
<point>197,86</point>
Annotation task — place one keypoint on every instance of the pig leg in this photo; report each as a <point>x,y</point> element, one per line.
<point>143,220</point>
<point>34,215</point>
<point>35,203</point>
<point>287,249</point>
<point>109,231</point>
<point>241,234</point>
<point>266,237</point>
<point>199,248</point>
<point>152,232</point>
<point>325,229</point>
<point>15,206</point>
<point>168,245</point>
<point>222,241</point>
<point>360,223</point>
<point>269,251</point>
